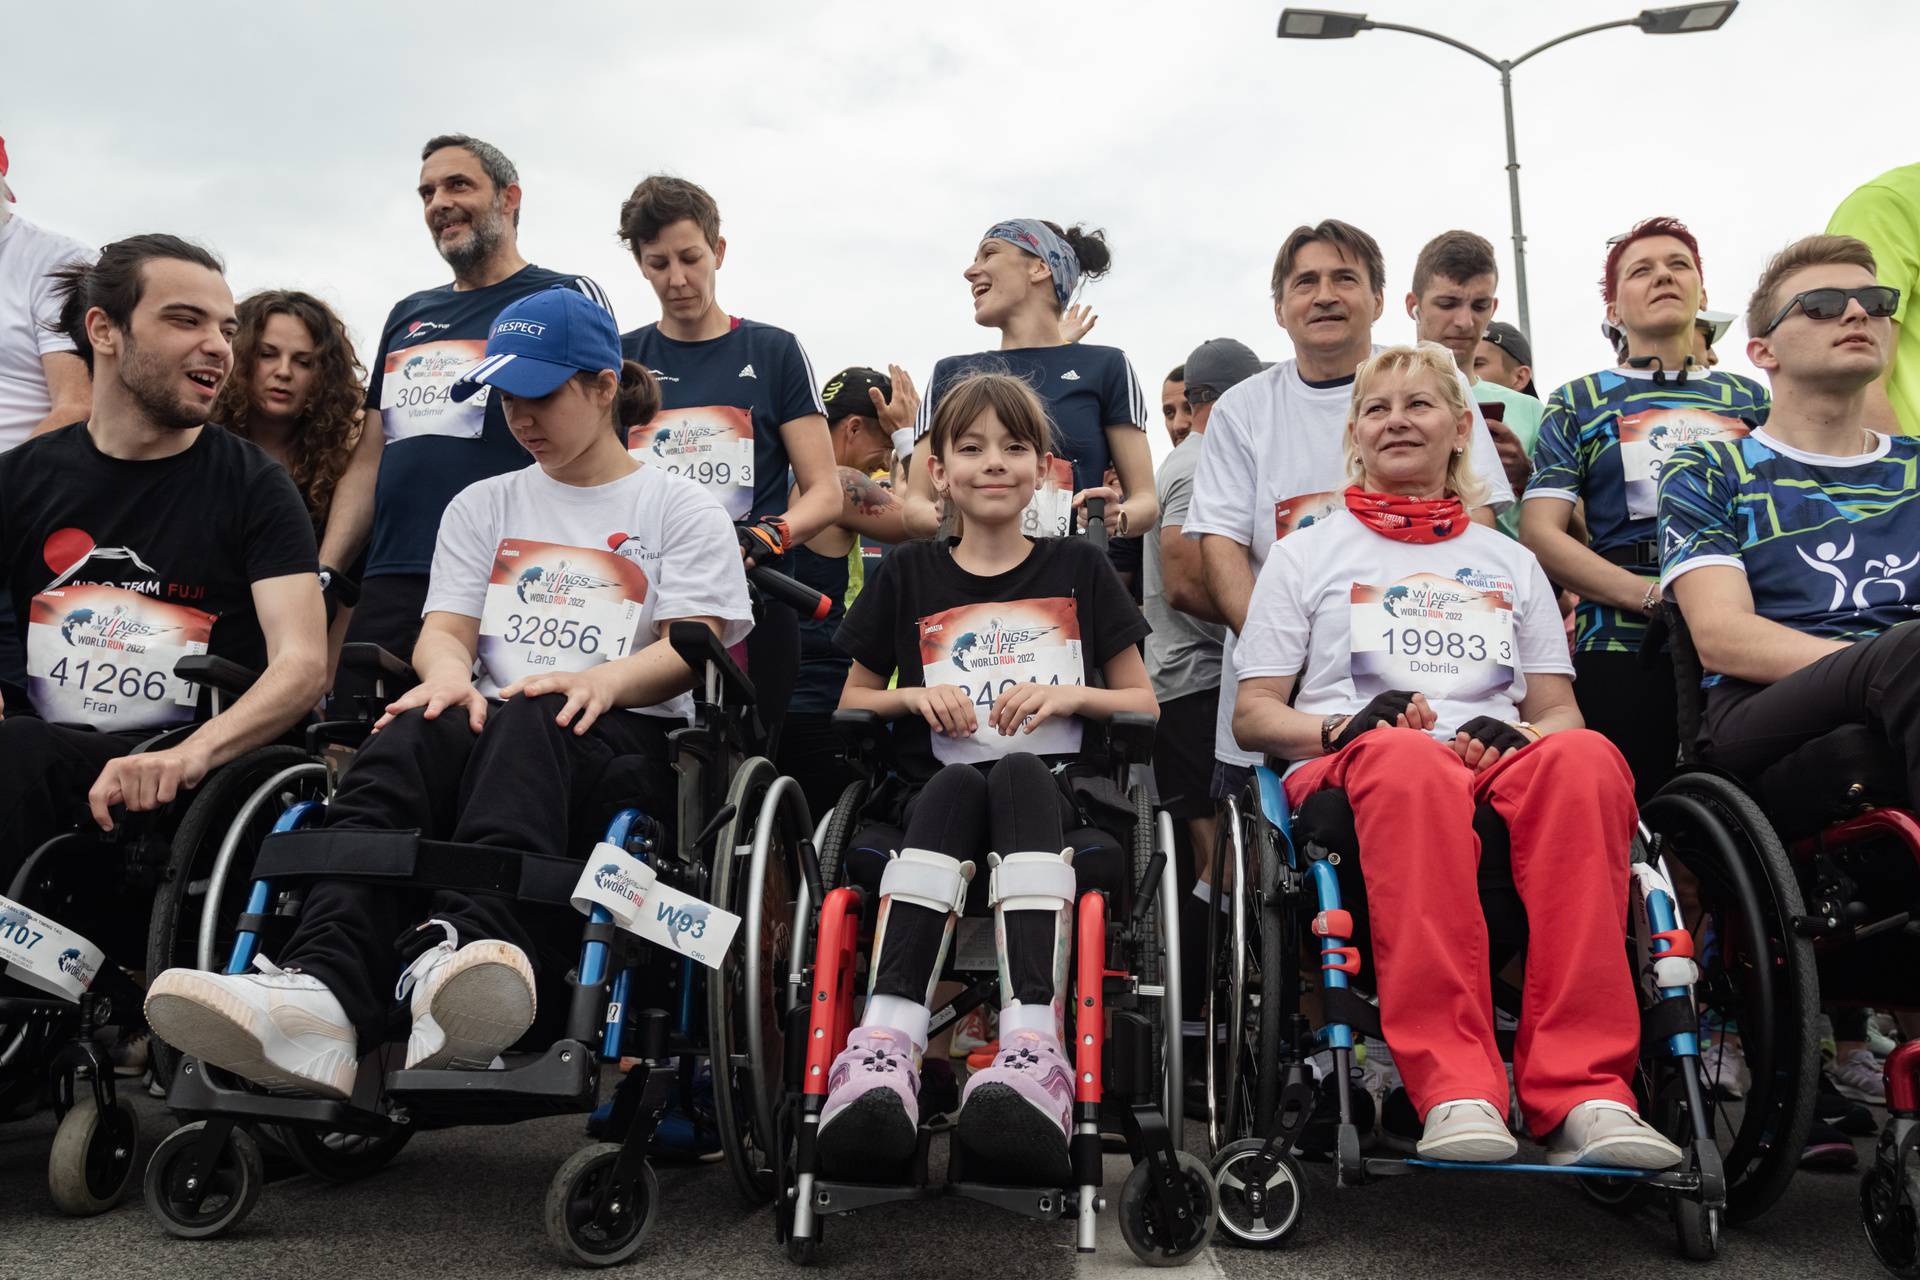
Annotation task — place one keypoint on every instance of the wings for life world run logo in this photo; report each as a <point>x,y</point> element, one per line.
<point>441,364</point>
<point>670,442</point>
<point>611,879</point>
<point>560,585</point>
<point>1434,597</point>
<point>992,644</point>
<point>75,966</point>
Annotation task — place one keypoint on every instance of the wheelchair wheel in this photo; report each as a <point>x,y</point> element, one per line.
<point>1757,981</point>
<point>746,1034</point>
<point>1159,1243</point>
<point>341,1157</point>
<point>95,1155</point>
<point>1890,1206</point>
<point>1227,1104</point>
<point>1149,966</point>
<point>842,824</point>
<point>200,1204</point>
<point>204,889</point>
<point>1698,1228</point>
<point>576,1190</point>
<point>1261,1215</point>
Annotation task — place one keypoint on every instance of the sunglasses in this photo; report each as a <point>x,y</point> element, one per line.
<point>1877,300</point>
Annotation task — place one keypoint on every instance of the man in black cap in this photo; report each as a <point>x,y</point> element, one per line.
<point>1506,357</point>
<point>863,407</point>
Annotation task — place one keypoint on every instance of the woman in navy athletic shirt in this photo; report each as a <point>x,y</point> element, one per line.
<point>1023,276</point>
<point>739,412</point>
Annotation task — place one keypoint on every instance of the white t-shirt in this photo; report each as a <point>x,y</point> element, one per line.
<point>27,309</point>
<point>1356,614</point>
<point>1274,462</point>
<point>564,578</point>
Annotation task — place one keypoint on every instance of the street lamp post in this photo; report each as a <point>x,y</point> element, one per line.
<point>1329,24</point>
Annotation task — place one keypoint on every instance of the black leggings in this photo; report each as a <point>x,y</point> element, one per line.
<point>1875,683</point>
<point>1016,807</point>
<point>522,783</point>
<point>1632,705</point>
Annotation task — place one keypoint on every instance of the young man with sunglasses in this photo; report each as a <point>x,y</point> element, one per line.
<point>1603,442</point>
<point>1794,553</point>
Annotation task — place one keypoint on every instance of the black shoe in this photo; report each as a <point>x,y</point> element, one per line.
<point>1844,1114</point>
<point>1828,1149</point>
<point>1400,1126</point>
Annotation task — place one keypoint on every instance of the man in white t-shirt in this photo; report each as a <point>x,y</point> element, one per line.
<point>43,383</point>
<point>1272,459</point>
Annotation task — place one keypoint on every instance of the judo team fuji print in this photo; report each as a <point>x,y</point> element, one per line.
<point>104,656</point>
<point>557,608</point>
<point>1445,637</point>
<point>710,445</point>
<point>987,649</point>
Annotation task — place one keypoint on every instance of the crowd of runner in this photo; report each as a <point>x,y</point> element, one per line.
<point>1397,568</point>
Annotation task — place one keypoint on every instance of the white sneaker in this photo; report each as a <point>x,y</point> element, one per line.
<point>1858,1077</point>
<point>1723,1067</point>
<point>469,1003</point>
<point>1879,1043</point>
<point>278,1029</point>
<point>1608,1133</point>
<point>1470,1129</point>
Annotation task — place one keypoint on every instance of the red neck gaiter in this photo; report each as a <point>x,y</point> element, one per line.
<point>1408,519</point>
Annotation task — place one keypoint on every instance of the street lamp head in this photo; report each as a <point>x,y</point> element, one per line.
<point>1320,24</point>
<point>1686,18</point>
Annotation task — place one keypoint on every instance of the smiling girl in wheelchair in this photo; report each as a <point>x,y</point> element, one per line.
<point>990,649</point>
<point>1432,677</point>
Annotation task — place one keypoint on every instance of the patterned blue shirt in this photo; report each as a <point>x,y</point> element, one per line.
<point>1604,440</point>
<point>1830,546</point>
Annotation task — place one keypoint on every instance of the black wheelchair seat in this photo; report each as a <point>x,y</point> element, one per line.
<point>1829,778</point>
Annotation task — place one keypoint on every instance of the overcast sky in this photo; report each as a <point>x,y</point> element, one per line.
<point>858,149</point>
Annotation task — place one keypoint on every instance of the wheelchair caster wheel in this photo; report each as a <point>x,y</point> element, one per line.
<point>1698,1229</point>
<point>1159,1243</point>
<point>94,1157</point>
<point>800,1252</point>
<point>1256,1212</point>
<point>198,1203</point>
<point>610,1237</point>
<point>1890,1211</point>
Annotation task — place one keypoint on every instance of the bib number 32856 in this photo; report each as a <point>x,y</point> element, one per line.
<point>557,608</point>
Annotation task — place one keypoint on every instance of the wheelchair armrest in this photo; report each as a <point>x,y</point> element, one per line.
<point>1130,737</point>
<point>700,649</point>
<point>371,662</point>
<point>866,737</point>
<point>226,676</point>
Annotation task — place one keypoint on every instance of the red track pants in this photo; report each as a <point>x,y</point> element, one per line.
<point>1567,801</point>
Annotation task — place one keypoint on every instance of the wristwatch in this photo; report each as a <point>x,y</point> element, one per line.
<point>1527,728</point>
<point>1327,726</point>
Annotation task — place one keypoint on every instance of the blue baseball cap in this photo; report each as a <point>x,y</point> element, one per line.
<point>542,340</point>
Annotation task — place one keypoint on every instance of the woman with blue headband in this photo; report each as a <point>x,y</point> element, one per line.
<point>1023,277</point>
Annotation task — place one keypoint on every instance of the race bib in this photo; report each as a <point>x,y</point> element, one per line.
<point>987,649</point>
<point>1444,637</point>
<point>1647,439</point>
<point>1302,510</point>
<point>45,953</point>
<point>415,386</point>
<point>1050,512</point>
<point>710,445</point>
<point>556,608</point>
<point>104,656</point>
<point>632,894</point>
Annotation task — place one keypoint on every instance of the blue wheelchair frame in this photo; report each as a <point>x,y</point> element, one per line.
<point>1698,1189</point>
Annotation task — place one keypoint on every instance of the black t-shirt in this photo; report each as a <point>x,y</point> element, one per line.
<point>715,397</point>
<point>188,535</point>
<point>436,448</point>
<point>823,667</point>
<point>923,607</point>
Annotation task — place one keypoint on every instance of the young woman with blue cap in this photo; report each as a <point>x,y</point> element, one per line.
<point>555,584</point>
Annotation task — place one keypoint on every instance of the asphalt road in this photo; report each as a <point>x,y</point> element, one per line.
<point>468,1203</point>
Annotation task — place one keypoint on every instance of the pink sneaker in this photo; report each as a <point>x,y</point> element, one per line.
<point>872,1117</point>
<point>1015,1115</point>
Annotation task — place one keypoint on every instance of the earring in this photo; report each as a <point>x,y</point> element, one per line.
<point>1459,449</point>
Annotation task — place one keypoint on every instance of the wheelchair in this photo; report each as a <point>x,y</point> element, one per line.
<point>1294,895</point>
<point>634,1011</point>
<point>1124,1028</point>
<point>1809,881</point>
<point>50,1040</point>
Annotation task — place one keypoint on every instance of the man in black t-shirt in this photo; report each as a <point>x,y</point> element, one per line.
<point>139,537</point>
<point>424,448</point>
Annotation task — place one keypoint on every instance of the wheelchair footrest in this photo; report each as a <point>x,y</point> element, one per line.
<point>1671,1179</point>
<point>845,1197</point>
<point>197,1093</point>
<point>560,1081</point>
